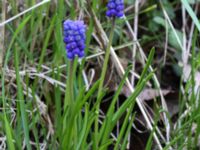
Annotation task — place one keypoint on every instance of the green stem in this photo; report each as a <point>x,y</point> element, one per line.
<point>69,96</point>
<point>70,81</point>
<point>105,64</point>
<point>103,74</point>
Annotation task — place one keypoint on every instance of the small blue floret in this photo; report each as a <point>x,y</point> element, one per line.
<point>115,8</point>
<point>74,38</point>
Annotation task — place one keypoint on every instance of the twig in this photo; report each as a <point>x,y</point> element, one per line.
<point>191,32</point>
<point>184,50</point>
<point>171,25</point>
<point>135,39</point>
<point>166,41</point>
<point>134,55</point>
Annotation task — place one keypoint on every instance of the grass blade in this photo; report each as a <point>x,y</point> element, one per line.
<point>21,102</point>
<point>191,13</point>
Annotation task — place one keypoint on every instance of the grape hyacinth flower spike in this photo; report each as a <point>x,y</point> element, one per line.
<point>115,8</point>
<point>74,38</point>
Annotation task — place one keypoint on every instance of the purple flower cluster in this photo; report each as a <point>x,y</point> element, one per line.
<point>74,38</point>
<point>115,8</point>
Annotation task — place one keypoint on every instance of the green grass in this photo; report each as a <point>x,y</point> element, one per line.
<point>44,97</point>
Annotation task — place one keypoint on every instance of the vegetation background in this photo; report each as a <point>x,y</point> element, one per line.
<point>151,93</point>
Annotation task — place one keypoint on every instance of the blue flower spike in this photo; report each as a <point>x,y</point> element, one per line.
<point>74,38</point>
<point>115,8</point>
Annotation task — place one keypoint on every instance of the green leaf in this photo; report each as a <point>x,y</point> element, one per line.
<point>8,134</point>
<point>193,1</point>
<point>84,127</point>
<point>105,128</point>
<point>191,13</point>
<point>20,27</point>
<point>22,105</point>
<point>131,99</point>
<point>173,40</point>
<point>159,20</point>
<point>171,35</point>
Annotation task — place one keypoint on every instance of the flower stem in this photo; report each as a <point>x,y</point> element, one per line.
<point>69,93</point>
<point>105,64</point>
<point>70,89</point>
<point>103,74</point>
<point>70,81</point>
